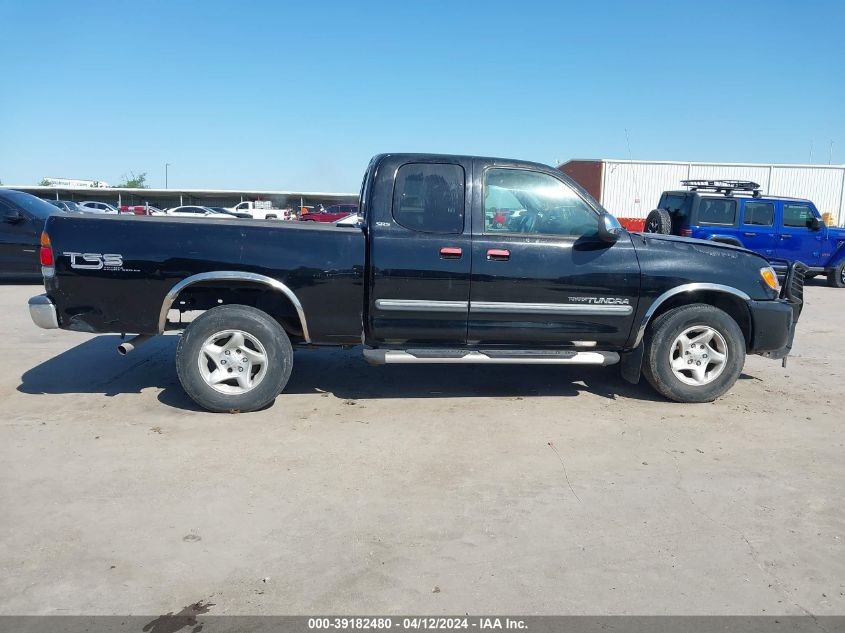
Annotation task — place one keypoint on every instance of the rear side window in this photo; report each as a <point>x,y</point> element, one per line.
<point>759,214</point>
<point>429,198</point>
<point>717,211</point>
<point>797,215</point>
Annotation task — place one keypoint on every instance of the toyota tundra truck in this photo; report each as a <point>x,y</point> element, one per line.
<point>426,276</point>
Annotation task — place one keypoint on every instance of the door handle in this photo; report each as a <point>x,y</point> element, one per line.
<point>747,234</point>
<point>498,254</point>
<point>784,236</point>
<point>450,252</point>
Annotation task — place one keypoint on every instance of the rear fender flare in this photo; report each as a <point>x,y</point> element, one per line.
<point>225,276</point>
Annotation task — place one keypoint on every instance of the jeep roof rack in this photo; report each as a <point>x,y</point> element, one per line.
<point>726,187</point>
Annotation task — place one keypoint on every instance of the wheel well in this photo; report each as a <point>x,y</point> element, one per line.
<point>732,305</point>
<point>202,296</point>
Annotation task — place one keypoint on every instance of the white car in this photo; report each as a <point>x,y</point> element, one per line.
<point>194,211</point>
<point>261,210</point>
<point>349,220</point>
<point>90,206</point>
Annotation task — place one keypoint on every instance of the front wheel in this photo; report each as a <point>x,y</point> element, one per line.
<point>693,353</point>
<point>234,358</point>
<point>836,275</point>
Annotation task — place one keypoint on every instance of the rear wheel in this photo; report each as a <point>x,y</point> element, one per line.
<point>693,353</point>
<point>836,276</point>
<point>658,221</point>
<point>234,358</point>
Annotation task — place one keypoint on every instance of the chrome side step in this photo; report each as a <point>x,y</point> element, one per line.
<point>500,357</point>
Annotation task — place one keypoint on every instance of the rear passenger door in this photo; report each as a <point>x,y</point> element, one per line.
<point>419,254</point>
<point>758,227</point>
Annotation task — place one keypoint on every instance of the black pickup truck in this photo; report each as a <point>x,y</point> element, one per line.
<point>455,259</point>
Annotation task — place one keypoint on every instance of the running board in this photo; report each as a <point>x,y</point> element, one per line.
<point>500,357</point>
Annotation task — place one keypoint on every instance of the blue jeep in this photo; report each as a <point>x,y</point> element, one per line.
<point>735,212</point>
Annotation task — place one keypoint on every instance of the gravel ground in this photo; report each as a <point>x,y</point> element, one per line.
<point>413,489</point>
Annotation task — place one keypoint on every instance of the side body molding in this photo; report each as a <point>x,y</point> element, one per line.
<point>678,290</point>
<point>275,284</point>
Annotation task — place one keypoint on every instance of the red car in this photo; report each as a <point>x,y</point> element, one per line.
<point>332,214</point>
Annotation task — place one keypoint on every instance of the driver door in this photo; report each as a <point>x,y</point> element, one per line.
<point>540,275</point>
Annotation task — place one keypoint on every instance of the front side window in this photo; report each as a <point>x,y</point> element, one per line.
<point>522,201</point>
<point>759,214</point>
<point>717,211</point>
<point>797,215</point>
<point>429,198</point>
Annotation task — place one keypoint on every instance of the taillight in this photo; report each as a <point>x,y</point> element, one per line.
<point>47,261</point>
<point>686,232</point>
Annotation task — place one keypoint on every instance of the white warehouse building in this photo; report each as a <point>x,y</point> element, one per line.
<point>632,188</point>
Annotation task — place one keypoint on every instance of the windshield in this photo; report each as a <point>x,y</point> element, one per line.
<point>31,204</point>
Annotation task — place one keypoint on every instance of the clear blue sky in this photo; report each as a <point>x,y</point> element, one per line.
<point>281,95</point>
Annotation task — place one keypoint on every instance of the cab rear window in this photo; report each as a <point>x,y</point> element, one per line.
<point>717,211</point>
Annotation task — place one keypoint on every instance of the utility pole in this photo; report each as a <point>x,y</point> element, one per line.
<point>166,165</point>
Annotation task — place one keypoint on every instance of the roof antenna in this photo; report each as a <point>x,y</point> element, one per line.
<point>633,171</point>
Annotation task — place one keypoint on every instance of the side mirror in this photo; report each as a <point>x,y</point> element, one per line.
<point>609,228</point>
<point>14,217</point>
<point>815,224</point>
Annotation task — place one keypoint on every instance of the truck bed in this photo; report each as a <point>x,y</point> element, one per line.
<point>114,272</point>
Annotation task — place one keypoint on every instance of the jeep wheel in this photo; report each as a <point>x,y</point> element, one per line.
<point>836,276</point>
<point>234,358</point>
<point>693,353</point>
<point>658,221</point>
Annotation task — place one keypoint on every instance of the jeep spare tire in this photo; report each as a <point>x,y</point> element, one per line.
<point>659,221</point>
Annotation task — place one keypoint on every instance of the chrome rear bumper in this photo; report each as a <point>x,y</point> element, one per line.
<point>42,311</point>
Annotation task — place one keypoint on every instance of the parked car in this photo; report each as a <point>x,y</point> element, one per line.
<point>331,214</point>
<point>90,206</point>
<point>735,212</point>
<point>237,214</point>
<point>350,220</point>
<point>196,211</point>
<point>22,218</point>
<point>427,280</point>
<point>140,209</point>
<point>260,210</point>
<point>68,206</point>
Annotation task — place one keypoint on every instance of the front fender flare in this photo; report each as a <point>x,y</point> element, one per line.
<point>692,287</point>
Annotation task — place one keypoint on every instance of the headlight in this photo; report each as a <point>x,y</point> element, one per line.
<point>770,278</point>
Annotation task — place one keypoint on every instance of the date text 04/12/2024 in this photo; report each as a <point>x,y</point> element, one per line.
<point>417,623</point>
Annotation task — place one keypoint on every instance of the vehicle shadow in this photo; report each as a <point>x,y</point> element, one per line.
<point>95,367</point>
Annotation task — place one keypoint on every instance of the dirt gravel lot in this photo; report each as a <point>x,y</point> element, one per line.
<point>533,490</point>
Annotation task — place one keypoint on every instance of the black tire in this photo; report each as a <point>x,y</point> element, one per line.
<point>658,221</point>
<point>660,349</point>
<point>252,324</point>
<point>836,276</point>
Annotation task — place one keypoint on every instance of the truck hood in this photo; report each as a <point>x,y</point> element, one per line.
<point>702,243</point>
<point>675,261</point>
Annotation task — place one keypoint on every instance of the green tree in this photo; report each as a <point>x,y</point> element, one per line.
<point>134,182</point>
<point>44,183</point>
